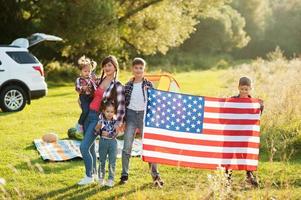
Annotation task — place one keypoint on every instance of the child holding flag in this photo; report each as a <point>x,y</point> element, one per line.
<point>244,88</point>
<point>135,100</point>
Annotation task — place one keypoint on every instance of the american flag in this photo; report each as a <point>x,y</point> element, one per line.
<point>201,132</point>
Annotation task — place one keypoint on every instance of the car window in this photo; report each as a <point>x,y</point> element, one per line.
<point>22,57</point>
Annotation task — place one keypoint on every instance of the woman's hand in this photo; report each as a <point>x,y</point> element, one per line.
<point>119,128</point>
<point>97,127</point>
<point>84,87</point>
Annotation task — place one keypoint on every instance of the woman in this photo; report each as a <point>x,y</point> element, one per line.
<point>107,87</point>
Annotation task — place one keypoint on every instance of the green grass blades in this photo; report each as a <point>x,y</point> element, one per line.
<point>27,176</point>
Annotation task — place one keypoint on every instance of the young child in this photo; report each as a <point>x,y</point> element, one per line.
<point>244,88</point>
<point>107,143</point>
<point>135,101</point>
<point>85,86</point>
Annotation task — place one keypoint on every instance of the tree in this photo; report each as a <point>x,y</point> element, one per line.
<point>98,27</point>
<point>257,14</point>
<point>219,33</point>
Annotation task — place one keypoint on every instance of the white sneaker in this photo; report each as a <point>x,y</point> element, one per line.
<point>110,183</point>
<point>86,180</point>
<point>95,177</point>
<point>101,182</point>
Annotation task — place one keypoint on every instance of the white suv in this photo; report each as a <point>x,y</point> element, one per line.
<point>21,73</point>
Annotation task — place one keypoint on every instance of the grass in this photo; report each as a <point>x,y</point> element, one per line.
<point>29,177</point>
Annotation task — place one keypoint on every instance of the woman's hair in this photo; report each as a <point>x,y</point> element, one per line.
<point>106,103</point>
<point>109,59</point>
<point>113,60</point>
<point>86,62</point>
<point>244,81</point>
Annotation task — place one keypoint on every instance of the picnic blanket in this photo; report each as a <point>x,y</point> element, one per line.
<point>69,149</point>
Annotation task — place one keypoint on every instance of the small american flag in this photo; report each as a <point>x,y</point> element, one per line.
<point>201,132</point>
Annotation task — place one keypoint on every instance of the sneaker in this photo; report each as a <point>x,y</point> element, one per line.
<point>101,182</point>
<point>86,180</point>
<point>95,177</point>
<point>158,181</point>
<point>109,183</point>
<point>250,179</point>
<point>123,179</point>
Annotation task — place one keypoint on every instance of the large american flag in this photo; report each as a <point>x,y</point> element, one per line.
<point>201,132</point>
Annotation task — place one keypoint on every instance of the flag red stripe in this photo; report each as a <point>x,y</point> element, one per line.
<point>232,110</point>
<point>233,100</point>
<point>184,140</point>
<point>200,153</point>
<point>196,165</point>
<point>230,132</point>
<point>232,121</point>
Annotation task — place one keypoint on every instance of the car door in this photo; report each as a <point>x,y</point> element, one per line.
<point>3,68</point>
<point>34,39</point>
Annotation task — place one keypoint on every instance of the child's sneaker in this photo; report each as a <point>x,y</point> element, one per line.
<point>101,182</point>
<point>158,181</point>
<point>250,179</point>
<point>110,183</point>
<point>95,177</point>
<point>86,180</point>
<point>228,175</point>
<point>123,179</point>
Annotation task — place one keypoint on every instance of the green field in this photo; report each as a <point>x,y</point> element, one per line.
<point>29,177</point>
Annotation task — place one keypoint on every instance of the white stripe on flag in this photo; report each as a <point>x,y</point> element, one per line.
<point>231,127</point>
<point>230,116</point>
<point>201,136</point>
<point>201,148</point>
<point>204,160</point>
<point>217,104</point>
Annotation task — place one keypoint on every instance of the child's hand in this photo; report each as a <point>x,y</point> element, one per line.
<point>105,133</point>
<point>97,129</point>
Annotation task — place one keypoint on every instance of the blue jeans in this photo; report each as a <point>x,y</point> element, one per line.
<point>85,101</point>
<point>107,147</point>
<point>134,120</point>
<point>87,146</point>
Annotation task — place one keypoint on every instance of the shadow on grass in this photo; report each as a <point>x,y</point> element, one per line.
<point>125,194</point>
<point>7,113</point>
<point>63,191</point>
<point>83,192</point>
<point>48,167</point>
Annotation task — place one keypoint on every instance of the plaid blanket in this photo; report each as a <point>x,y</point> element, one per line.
<point>69,149</point>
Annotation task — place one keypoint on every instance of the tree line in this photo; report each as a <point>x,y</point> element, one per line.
<point>241,29</point>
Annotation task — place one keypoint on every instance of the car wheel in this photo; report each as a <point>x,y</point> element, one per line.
<point>12,98</point>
